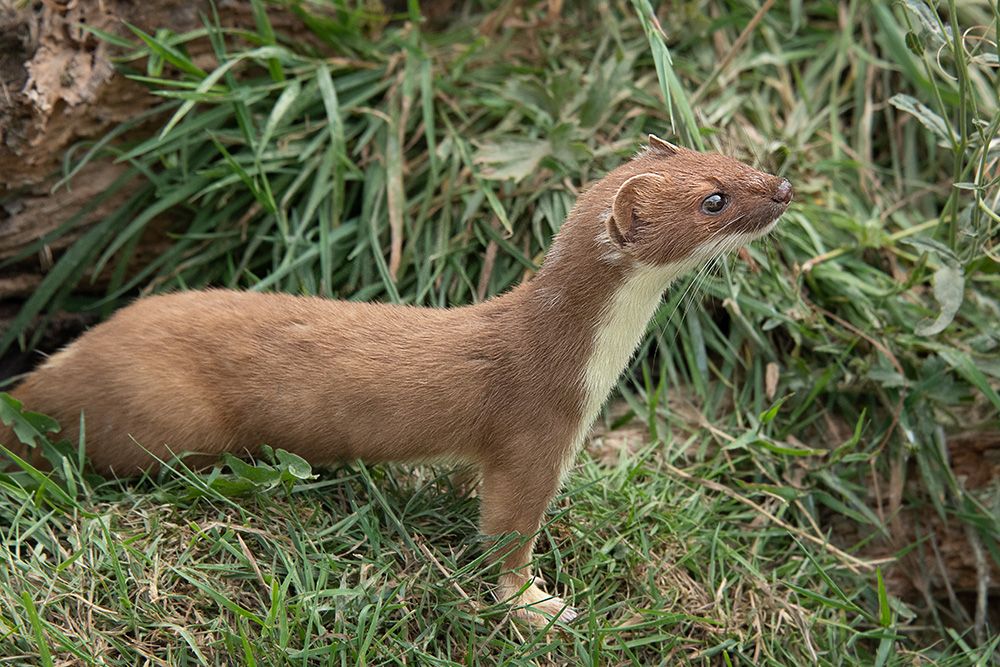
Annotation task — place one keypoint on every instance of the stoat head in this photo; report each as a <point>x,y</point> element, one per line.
<point>679,204</point>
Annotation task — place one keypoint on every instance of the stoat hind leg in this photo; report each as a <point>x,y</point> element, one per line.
<point>514,500</point>
<point>465,480</point>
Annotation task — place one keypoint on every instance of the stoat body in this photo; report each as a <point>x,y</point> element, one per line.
<point>511,385</point>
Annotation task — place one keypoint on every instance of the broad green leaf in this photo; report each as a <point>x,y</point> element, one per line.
<point>744,440</point>
<point>928,20</point>
<point>29,427</point>
<point>294,465</point>
<point>260,473</point>
<point>927,244</point>
<point>511,159</point>
<point>233,488</point>
<point>949,290</point>
<point>925,115</point>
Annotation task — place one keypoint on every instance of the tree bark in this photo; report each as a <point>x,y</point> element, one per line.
<point>59,88</point>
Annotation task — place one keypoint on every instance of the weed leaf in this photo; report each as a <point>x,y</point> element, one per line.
<point>925,115</point>
<point>949,290</point>
<point>29,427</point>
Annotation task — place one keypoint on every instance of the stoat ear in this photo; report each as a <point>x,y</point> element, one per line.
<point>626,219</point>
<point>661,147</point>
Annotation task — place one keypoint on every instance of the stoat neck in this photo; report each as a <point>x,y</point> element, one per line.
<point>579,320</point>
<point>553,317</point>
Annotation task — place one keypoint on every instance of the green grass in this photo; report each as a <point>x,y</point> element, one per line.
<point>398,161</point>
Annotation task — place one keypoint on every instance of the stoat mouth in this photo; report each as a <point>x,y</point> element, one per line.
<point>766,229</point>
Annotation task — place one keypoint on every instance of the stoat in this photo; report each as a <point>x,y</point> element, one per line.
<point>511,385</point>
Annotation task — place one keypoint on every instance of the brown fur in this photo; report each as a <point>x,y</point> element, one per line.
<point>498,384</point>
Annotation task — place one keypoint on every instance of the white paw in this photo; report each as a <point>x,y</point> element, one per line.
<point>535,605</point>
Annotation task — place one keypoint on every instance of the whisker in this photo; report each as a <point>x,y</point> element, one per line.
<point>725,245</point>
<point>730,223</point>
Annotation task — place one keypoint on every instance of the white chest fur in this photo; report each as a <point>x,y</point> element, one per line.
<point>619,332</point>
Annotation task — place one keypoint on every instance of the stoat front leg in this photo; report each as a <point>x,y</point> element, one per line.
<point>515,495</point>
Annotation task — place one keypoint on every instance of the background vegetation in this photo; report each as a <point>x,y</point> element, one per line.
<point>789,431</point>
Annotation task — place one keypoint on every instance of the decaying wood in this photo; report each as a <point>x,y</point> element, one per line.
<point>59,87</point>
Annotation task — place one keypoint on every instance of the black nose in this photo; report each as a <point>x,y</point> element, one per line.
<point>784,193</point>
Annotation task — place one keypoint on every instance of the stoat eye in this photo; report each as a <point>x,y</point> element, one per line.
<point>714,203</point>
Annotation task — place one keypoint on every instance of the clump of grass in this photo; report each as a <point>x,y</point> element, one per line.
<point>778,406</point>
